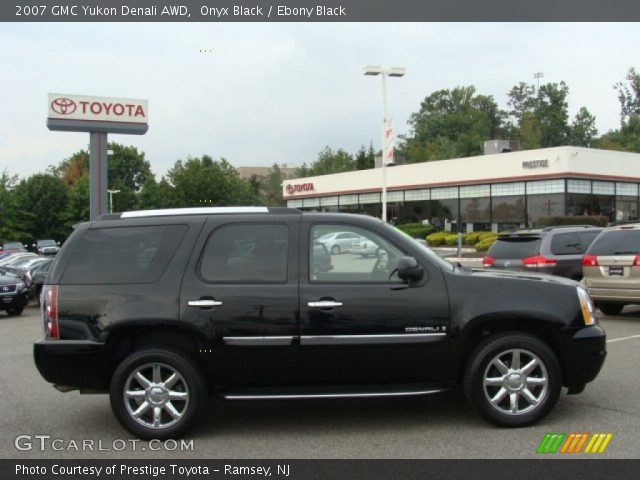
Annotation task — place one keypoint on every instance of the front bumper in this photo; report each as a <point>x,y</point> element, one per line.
<point>80,364</point>
<point>14,300</point>
<point>586,352</point>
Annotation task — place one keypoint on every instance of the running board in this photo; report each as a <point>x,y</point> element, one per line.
<point>301,396</point>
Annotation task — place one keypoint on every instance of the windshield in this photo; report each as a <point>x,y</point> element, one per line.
<point>514,248</point>
<point>46,243</point>
<point>434,257</point>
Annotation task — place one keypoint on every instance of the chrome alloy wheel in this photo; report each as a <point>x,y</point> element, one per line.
<point>156,395</point>
<point>515,382</point>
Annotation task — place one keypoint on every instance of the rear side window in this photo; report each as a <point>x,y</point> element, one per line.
<point>514,248</point>
<point>566,244</point>
<point>123,255</point>
<point>588,238</point>
<point>246,254</point>
<point>616,242</point>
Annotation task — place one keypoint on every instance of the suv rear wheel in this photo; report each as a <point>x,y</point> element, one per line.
<point>14,311</point>
<point>157,393</point>
<point>610,308</point>
<point>512,379</point>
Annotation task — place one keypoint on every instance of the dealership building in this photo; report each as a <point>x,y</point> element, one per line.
<point>495,192</point>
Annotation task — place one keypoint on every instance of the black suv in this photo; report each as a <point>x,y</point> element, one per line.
<point>163,308</point>
<point>553,250</point>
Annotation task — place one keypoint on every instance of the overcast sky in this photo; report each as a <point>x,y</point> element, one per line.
<point>276,92</point>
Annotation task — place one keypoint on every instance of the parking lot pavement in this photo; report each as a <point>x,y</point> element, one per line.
<point>434,427</point>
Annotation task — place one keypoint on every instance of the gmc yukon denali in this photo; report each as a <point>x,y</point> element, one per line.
<point>164,308</point>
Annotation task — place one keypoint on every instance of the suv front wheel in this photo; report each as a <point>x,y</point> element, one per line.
<point>157,393</point>
<point>512,379</point>
<point>610,308</point>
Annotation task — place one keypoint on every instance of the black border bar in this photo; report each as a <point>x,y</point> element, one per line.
<point>321,11</point>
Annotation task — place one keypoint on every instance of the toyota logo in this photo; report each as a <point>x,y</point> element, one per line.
<point>5,289</point>
<point>290,189</point>
<point>63,106</point>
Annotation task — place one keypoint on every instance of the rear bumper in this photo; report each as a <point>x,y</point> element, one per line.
<point>586,350</point>
<point>76,363</point>
<point>628,295</point>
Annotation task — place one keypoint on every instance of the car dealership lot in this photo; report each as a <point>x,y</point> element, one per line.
<point>422,427</point>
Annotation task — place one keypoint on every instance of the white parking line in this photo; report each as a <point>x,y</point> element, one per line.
<point>613,340</point>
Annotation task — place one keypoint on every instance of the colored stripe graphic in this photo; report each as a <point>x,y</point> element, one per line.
<point>550,442</point>
<point>598,443</point>
<point>574,443</point>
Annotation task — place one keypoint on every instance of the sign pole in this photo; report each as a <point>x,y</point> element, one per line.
<point>97,174</point>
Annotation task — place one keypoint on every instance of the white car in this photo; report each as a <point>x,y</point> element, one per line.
<point>338,242</point>
<point>364,247</point>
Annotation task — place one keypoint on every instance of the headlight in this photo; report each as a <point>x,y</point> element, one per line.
<point>19,286</point>
<point>587,306</point>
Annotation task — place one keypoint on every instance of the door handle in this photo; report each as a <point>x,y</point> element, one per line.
<point>324,304</point>
<point>204,303</point>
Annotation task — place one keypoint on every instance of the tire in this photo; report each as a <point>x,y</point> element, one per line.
<point>482,364</point>
<point>37,293</point>
<point>15,311</point>
<point>610,308</point>
<point>189,392</point>
<point>335,250</point>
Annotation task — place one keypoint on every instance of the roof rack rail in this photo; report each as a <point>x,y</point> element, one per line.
<point>551,227</point>
<point>165,212</point>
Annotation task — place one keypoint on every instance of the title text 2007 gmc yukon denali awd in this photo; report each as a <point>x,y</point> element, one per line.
<point>163,308</point>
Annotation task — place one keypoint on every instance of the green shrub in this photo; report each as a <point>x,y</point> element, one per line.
<point>471,238</point>
<point>416,230</point>
<point>451,239</point>
<point>596,220</point>
<point>486,236</point>
<point>483,245</point>
<point>436,239</point>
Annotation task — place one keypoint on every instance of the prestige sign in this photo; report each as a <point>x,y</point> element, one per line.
<point>535,164</point>
<point>78,107</point>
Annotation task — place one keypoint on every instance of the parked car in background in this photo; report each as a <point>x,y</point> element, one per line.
<point>46,247</point>
<point>14,295</point>
<point>14,257</point>
<point>38,276</point>
<point>611,268</point>
<point>338,242</point>
<point>12,247</point>
<point>364,247</point>
<point>553,250</point>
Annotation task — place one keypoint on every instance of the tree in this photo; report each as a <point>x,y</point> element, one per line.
<point>328,162</point>
<point>156,194</point>
<point>626,139</point>
<point>272,186</point>
<point>77,208</point>
<point>583,129</point>
<point>629,96</point>
<point>11,226</point>
<point>365,158</point>
<point>522,100</point>
<point>203,181</point>
<point>43,201</point>
<point>451,123</point>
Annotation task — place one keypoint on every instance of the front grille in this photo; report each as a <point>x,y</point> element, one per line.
<point>7,288</point>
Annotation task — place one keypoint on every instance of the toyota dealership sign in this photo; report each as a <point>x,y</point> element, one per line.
<point>100,114</point>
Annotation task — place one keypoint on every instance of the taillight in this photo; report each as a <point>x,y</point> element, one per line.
<point>50,311</point>
<point>488,261</point>
<point>591,261</point>
<point>538,261</point>
<point>636,261</point>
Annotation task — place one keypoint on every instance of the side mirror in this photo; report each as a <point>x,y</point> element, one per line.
<point>409,271</point>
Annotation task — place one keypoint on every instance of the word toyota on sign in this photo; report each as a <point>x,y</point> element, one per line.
<point>299,187</point>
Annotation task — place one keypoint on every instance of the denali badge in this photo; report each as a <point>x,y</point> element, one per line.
<point>429,329</point>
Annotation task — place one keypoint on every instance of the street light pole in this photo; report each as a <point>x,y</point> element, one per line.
<point>384,73</point>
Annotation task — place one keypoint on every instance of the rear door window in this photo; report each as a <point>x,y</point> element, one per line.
<point>566,244</point>
<point>245,253</point>
<point>588,238</point>
<point>123,255</point>
<point>616,242</point>
<point>514,248</point>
